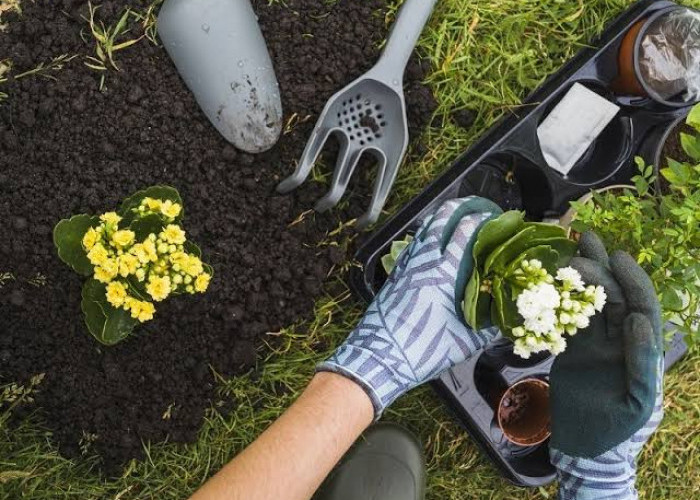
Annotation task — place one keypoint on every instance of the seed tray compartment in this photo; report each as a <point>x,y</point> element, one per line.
<point>507,165</point>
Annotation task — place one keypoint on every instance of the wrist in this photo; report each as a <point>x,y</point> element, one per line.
<point>341,392</point>
<point>610,475</point>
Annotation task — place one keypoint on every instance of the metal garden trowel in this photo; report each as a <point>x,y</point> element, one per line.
<point>368,116</point>
<point>219,51</point>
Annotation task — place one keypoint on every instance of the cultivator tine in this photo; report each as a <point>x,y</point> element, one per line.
<point>308,158</point>
<point>341,177</point>
<point>386,174</point>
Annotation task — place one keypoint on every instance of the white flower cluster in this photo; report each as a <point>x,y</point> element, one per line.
<point>552,307</point>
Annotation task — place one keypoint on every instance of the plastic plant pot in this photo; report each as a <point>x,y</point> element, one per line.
<point>675,127</point>
<point>631,78</point>
<point>523,412</point>
<point>566,219</point>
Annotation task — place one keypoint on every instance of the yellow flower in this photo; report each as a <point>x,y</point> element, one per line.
<point>128,264</point>
<point>111,266</point>
<point>97,255</point>
<point>152,204</point>
<point>90,238</point>
<point>158,287</point>
<point>102,275</point>
<point>123,238</point>
<point>150,248</point>
<point>170,209</point>
<point>110,218</point>
<point>116,293</point>
<point>201,283</point>
<point>193,266</point>
<point>179,259</point>
<point>173,234</point>
<point>140,253</point>
<point>146,312</point>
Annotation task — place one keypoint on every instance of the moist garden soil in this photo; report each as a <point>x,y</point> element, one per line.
<point>68,147</point>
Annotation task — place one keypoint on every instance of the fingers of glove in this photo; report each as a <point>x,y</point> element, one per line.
<point>468,206</point>
<point>594,273</point>
<point>434,225</point>
<point>591,247</point>
<point>642,359</point>
<point>637,288</point>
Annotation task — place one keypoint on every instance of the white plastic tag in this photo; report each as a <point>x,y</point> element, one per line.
<point>572,126</point>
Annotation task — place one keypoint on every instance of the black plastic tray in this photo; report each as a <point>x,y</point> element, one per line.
<point>542,192</point>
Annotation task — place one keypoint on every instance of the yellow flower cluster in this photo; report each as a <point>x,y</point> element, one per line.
<point>156,267</point>
<point>166,208</point>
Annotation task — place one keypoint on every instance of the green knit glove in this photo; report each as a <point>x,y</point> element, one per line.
<point>604,386</point>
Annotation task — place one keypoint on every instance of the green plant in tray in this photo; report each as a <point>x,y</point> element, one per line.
<point>660,229</point>
<point>133,257</point>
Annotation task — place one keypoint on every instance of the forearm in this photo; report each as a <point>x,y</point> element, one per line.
<point>293,456</point>
<point>606,477</point>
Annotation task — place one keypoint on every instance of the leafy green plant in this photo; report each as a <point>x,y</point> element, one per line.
<point>660,229</point>
<point>398,246</point>
<point>133,257</point>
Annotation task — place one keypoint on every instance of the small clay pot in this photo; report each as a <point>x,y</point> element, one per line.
<point>523,412</point>
<point>630,80</point>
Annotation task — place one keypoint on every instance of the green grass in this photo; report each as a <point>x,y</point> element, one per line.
<point>487,55</point>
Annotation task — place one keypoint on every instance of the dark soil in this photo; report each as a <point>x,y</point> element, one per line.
<point>673,149</point>
<point>69,148</point>
<point>368,121</point>
<point>464,118</point>
<point>513,406</point>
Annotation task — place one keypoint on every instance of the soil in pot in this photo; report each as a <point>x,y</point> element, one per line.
<point>523,412</point>
<point>69,148</point>
<point>674,150</point>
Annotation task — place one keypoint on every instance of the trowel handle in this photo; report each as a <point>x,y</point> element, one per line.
<point>408,26</point>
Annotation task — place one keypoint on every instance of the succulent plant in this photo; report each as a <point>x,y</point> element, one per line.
<point>398,246</point>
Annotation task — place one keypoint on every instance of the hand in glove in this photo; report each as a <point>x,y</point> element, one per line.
<point>606,388</point>
<point>414,329</point>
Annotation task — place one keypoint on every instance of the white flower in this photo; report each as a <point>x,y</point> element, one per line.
<point>564,318</point>
<point>581,321</point>
<point>557,346</point>
<point>588,310</point>
<point>521,349</point>
<point>519,331</point>
<point>571,279</point>
<point>599,298</point>
<point>543,323</point>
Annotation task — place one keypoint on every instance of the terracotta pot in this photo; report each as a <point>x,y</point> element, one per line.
<point>629,80</point>
<point>566,219</point>
<point>523,412</point>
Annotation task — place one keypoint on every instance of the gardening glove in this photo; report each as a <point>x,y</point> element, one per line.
<point>606,388</point>
<point>414,328</point>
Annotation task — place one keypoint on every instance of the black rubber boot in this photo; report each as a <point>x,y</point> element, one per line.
<point>386,463</point>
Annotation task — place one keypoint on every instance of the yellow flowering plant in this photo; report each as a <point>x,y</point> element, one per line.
<point>134,258</point>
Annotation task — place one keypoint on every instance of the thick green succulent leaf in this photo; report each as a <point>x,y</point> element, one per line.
<point>494,233</point>
<point>477,304</point>
<point>691,145</point>
<point>389,260</point>
<point>533,234</point>
<point>107,324</point>
<point>504,311</point>
<point>156,192</point>
<point>544,253</point>
<point>68,238</point>
<point>694,117</point>
<point>150,224</point>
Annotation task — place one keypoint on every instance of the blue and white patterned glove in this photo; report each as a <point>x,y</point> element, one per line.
<point>610,476</point>
<point>414,329</point>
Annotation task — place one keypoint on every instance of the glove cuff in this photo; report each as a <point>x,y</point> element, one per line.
<point>369,371</point>
<point>610,475</point>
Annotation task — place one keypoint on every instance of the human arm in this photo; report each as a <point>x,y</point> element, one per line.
<point>607,396</point>
<point>295,454</point>
<point>397,346</point>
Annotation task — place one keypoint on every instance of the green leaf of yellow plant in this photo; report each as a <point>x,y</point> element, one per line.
<point>107,324</point>
<point>144,226</point>
<point>68,238</point>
